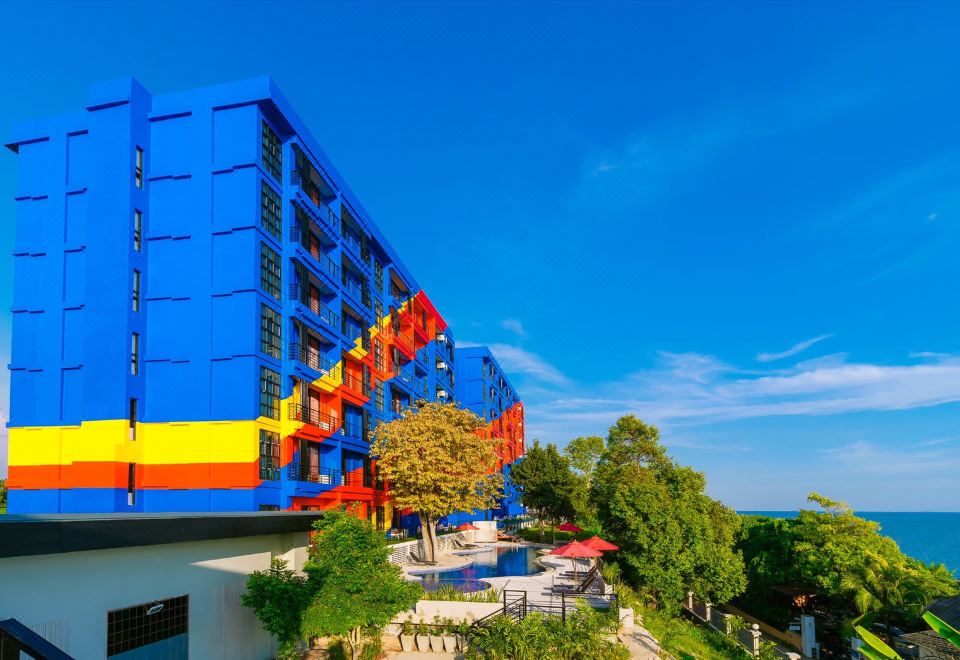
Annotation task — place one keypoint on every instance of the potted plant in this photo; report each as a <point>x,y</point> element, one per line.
<point>436,635</point>
<point>449,636</point>
<point>406,635</point>
<point>463,633</point>
<point>423,637</point>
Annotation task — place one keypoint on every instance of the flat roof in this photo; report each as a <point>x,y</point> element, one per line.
<point>46,534</point>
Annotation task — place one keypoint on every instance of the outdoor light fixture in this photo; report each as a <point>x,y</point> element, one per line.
<point>153,609</point>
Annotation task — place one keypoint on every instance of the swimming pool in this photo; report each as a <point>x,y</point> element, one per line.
<point>495,562</point>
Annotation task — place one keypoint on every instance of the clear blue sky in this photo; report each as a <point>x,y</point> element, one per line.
<point>738,221</point>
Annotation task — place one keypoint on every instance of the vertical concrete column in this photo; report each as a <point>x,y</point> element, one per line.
<point>754,640</point>
<point>690,600</point>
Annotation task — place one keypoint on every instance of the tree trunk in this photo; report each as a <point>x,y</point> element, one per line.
<point>356,639</point>
<point>540,520</point>
<point>429,532</point>
<point>553,529</point>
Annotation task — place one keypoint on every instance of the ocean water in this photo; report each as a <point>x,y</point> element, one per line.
<point>930,537</point>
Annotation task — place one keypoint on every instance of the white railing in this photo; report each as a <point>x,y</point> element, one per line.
<point>408,551</point>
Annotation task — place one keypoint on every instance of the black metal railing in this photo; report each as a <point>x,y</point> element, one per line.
<point>351,430</point>
<point>312,358</point>
<point>353,383</point>
<point>358,479</point>
<point>297,471</point>
<point>301,295</point>
<point>300,413</point>
<point>324,262</point>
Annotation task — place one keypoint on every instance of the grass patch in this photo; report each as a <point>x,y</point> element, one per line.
<point>532,534</point>
<point>688,641</point>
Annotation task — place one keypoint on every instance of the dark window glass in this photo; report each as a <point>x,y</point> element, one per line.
<point>270,213</point>
<point>145,624</point>
<point>379,395</point>
<point>271,152</point>
<point>270,270</point>
<point>270,339</point>
<point>133,419</point>
<point>135,353</point>
<point>269,507</point>
<point>378,275</point>
<point>138,168</point>
<point>269,455</point>
<point>132,484</point>
<point>136,290</point>
<point>269,393</point>
<point>137,229</point>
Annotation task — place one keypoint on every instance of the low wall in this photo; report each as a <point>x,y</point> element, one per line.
<point>400,552</point>
<point>456,610</point>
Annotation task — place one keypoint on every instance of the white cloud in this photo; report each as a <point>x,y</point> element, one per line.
<point>520,362</point>
<point>684,390</point>
<point>793,350</point>
<point>515,326</point>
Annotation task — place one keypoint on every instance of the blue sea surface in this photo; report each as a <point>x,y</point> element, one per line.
<point>929,537</point>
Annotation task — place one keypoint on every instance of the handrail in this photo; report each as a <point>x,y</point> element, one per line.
<point>312,358</point>
<point>298,412</point>
<point>298,471</point>
<point>301,295</point>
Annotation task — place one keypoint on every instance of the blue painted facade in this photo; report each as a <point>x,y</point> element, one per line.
<point>205,317</point>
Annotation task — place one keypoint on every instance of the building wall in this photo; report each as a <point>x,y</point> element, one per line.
<point>483,388</point>
<point>195,442</point>
<point>65,597</point>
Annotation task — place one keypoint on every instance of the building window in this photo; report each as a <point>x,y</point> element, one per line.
<point>133,419</point>
<point>379,395</point>
<point>270,217</point>
<point>269,393</point>
<point>378,275</point>
<point>377,311</point>
<point>269,507</point>
<point>146,624</point>
<point>136,290</point>
<point>269,455</point>
<point>138,168</point>
<point>137,229</point>
<point>270,323</point>
<point>378,355</point>
<point>135,353</point>
<point>131,484</point>
<point>270,152</point>
<point>270,270</point>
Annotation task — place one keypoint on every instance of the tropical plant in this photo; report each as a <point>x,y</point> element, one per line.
<point>451,593</point>
<point>437,464</point>
<point>278,596</point>
<point>422,628</point>
<point>583,634</point>
<point>355,587</point>
<point>545,483</point>
<point>673,538</point>
<point>406,628</point>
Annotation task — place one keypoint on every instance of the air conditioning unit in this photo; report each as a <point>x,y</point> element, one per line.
<point>441,394</point>
<point>442,366</point>
<point>441,337</point>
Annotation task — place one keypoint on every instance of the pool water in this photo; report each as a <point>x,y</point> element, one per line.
<point>495,562</point>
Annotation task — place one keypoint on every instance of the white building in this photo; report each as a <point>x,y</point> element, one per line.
<point>141,585</point>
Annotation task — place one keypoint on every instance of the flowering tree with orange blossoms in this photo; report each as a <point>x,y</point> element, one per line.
<point>437,463</point>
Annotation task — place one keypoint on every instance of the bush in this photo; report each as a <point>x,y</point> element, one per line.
<point>449,593</point>
<point>582,635</point>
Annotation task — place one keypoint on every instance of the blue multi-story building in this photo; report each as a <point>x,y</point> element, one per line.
<point>205,317</point>
<point>483,388</point>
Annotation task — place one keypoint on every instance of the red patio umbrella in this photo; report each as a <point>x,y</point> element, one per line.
<point>569,527</point>
<point>598,543</point>
<point>575,550</point>
<point>466,526</point>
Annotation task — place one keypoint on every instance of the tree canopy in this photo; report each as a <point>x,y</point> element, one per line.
<point>673,538</point>
<point>545,482</point>
<point>437,464</point>
<point>844,559</point>
<point>355,585</point>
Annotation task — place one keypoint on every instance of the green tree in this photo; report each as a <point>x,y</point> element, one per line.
<point>437,464</point>
<point>279,596</point>
<point>584,453</point>
<point>545,483</point>
<point>355,587</point>
<point>673,537</point>
<point>844,559</point>
<point>3,493</point>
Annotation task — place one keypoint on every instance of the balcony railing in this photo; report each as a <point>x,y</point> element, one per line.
<point>358,480</point>
<point>421,358</point>
<point>403,341</point>
<point>357,290</point>
<point>325,263</point>
<point>300,413</point>
<point>351,430</point>
<point>297,471</point>
<point>301,295</point>
<point>353,383</point>
<point>312,358</point>
<point>420,386</point>
<point>351,333</point>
